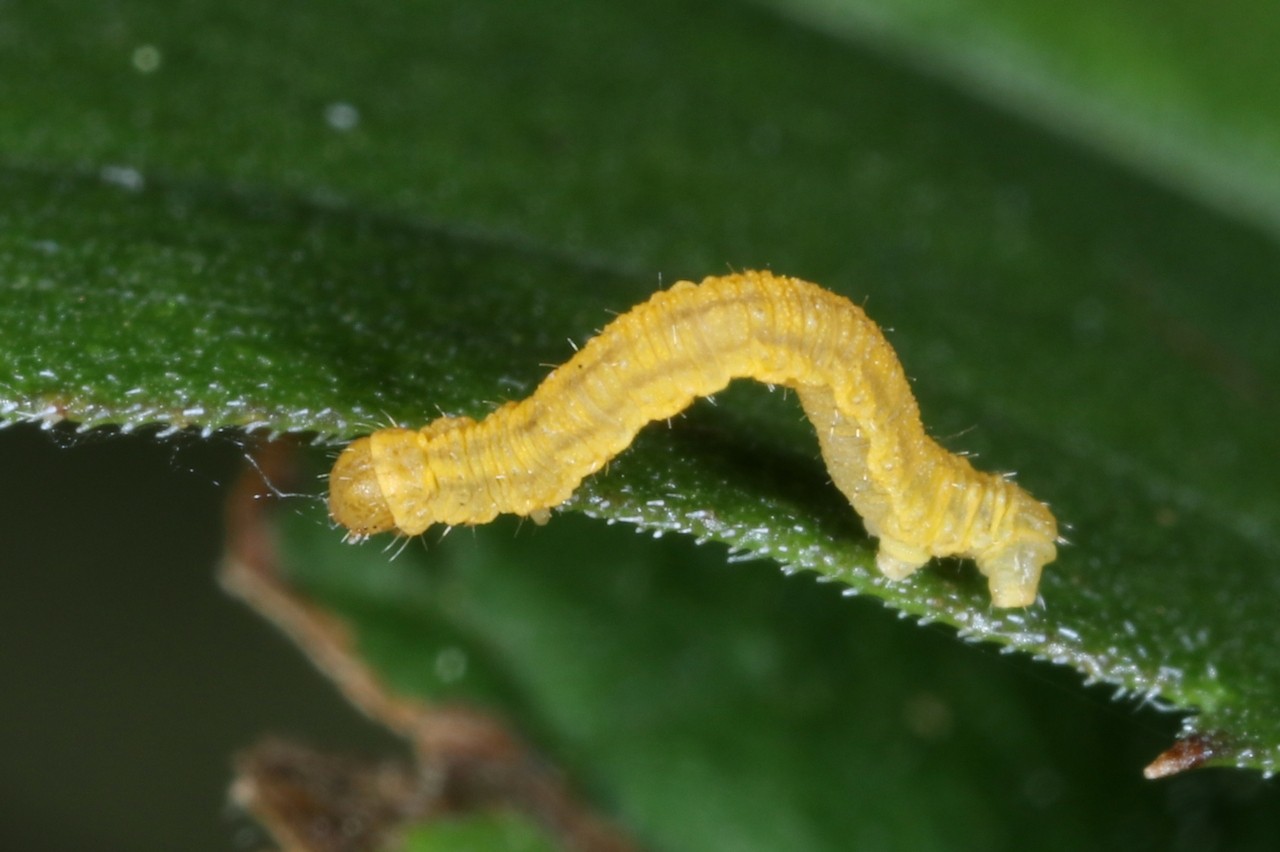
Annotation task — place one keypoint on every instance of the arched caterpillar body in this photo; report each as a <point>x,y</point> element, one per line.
<point>649,364</point>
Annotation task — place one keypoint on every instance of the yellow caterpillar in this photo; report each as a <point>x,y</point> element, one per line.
<point>527,457</point>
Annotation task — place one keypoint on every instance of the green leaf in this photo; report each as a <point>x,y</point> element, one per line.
<point>187,306</point>
<point>243,216</point>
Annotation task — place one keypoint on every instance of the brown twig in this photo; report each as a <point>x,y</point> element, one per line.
<point>466,758</point>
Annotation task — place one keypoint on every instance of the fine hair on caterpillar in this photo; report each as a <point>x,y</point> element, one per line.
<point>649,364</point>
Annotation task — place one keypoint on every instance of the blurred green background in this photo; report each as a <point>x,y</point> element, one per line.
<point>130,678</point>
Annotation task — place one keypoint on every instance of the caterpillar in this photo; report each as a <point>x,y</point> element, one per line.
<point>690,340</point>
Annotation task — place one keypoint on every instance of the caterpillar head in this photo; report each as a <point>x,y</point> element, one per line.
<point>382,483</point>
<point>356,500</point>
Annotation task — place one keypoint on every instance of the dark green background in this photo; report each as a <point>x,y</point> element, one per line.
<point>130,678</point>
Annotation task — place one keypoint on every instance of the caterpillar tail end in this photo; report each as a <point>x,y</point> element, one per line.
<point>1014,573</point>
<point>356,500</point>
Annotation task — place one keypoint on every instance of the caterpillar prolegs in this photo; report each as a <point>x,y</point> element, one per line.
<point>527,457</point>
